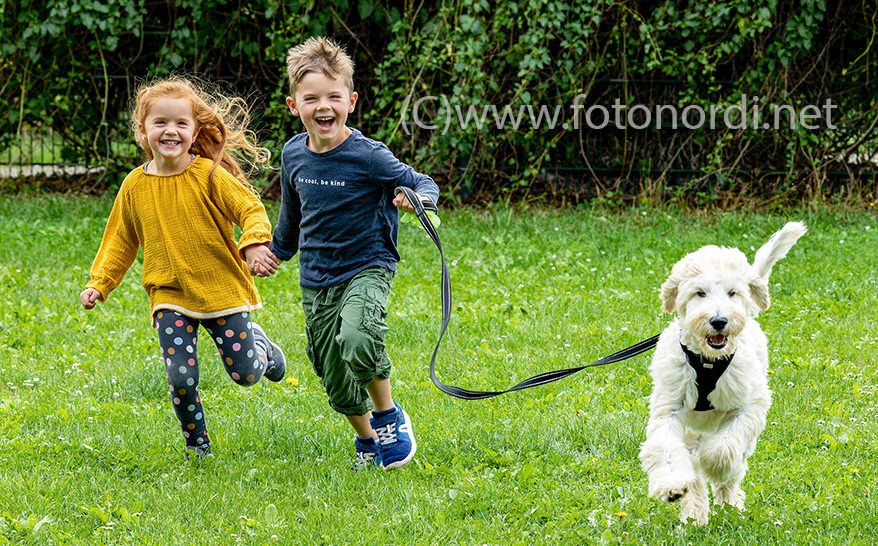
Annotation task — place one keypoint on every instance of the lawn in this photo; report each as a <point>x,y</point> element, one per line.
<point>91,451</point>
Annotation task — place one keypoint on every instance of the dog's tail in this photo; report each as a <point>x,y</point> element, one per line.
<point>777,247</point>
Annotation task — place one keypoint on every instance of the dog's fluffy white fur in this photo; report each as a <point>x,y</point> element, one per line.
<point>716,295</point>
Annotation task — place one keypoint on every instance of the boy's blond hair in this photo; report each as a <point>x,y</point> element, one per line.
<point>319,54</point>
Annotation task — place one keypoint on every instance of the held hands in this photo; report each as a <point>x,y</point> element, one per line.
<point>260,261</point>
<point>89,297</point>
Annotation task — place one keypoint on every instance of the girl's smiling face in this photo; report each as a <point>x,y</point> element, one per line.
<point>170,129</point>
<point>323,103</point>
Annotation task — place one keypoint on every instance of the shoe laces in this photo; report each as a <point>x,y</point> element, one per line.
<point>266,348</point>
<point>387,434</point>
<point>261,340</point>
<point>365,457</point>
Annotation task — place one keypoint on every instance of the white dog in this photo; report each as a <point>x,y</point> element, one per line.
<point>710,391</point>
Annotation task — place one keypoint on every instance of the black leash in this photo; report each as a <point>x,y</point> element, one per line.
<point>421,208</point>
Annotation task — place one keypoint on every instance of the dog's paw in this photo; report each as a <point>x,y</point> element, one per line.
<point>698,514</point>
<point>674,495</point>
<point>731,495</point>
<point>671,488</point>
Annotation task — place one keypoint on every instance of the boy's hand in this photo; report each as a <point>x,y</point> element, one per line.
<point>402,202</point>
<point>89,297</point>
<point>261,261</point>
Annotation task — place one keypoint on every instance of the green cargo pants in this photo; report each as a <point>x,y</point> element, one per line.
<point>346,326</point>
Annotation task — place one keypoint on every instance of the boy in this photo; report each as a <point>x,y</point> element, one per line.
<point>337,211</point>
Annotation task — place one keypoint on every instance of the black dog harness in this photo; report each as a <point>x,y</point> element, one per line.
<point>707,373</point>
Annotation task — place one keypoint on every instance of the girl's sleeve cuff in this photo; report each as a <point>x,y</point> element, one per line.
<point>104,287</point>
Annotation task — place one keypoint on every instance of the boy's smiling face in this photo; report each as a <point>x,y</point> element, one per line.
<point>323,103</point>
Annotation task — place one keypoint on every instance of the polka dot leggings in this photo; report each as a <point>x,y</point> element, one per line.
<point>178,336</point>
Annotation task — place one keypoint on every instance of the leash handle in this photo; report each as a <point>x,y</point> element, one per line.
<point>421,207</point>
<point>413,198</point>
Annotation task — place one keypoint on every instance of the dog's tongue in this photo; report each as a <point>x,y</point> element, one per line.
<point>718,339</point>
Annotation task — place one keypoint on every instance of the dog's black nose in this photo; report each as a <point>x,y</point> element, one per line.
<point>718,323</point>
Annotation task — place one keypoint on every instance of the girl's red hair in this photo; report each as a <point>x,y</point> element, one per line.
<point>221,125</point>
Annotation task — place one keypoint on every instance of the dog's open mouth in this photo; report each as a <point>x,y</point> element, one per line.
<point>717,341</point>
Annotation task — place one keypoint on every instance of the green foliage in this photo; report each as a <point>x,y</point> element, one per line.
<point>677,53</point>
<point>73,65</point>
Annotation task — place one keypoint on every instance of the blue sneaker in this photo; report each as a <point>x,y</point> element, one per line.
<point>368,453</point>
<point>276,366</point>
<point>395,436</point>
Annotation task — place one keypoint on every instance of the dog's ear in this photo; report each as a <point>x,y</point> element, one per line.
<point>759,292</point>
<point>668,294</point>
<point>686,268</point>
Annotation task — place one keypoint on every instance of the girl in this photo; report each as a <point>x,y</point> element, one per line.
<point>181,207</point>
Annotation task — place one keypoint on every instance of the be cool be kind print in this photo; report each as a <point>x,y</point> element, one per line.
<point>320,182</point>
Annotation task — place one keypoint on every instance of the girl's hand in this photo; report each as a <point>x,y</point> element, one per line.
<point>89,297</point>
<point>261,261</point>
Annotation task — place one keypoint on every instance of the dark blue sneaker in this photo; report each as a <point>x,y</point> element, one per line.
<point>395,436</point>
<point>276,366</point>
<point>368,453</point>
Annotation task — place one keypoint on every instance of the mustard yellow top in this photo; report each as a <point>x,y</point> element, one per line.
<point>191,262</point>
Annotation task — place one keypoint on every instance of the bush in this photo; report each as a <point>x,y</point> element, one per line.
<point>72,66</point>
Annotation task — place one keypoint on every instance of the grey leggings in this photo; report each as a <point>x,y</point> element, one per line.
<point>178,336</point>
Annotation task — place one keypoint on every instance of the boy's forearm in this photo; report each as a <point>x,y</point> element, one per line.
<point>281,253</point>
<point>427,187</point>
<point>285,241</point>
<point>385,168</point>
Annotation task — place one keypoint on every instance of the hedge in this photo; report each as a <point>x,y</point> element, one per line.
<point>71,66</point>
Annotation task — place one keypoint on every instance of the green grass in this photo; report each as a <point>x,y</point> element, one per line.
<point>91,454</point>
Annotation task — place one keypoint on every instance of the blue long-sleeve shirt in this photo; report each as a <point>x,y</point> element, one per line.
<point>337,208</point>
